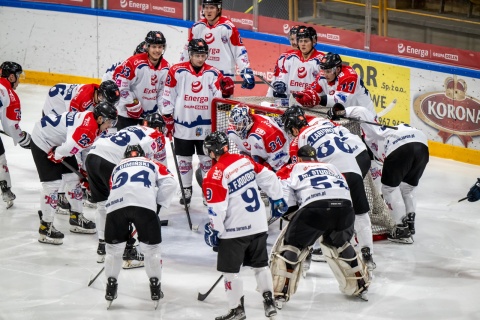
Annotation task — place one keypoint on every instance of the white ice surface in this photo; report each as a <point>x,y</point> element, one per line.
<point>437,277</point>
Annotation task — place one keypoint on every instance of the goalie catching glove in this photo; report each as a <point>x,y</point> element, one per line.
<point>211,236</point>
<point>336,112</point>
<point>134,109</point>
<point>227,86</point>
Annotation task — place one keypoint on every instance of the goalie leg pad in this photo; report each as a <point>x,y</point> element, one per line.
<point>286,265</point>
<point>351,280</point>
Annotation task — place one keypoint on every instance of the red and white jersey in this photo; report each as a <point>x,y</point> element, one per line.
<point>140,182</point>
<point>188,96</point>
<point>64,97</point>
<point>231,189</point>
<point>70,132</point>
<point>267,142</point>
<point>298,73</point>
<point>309,181</point>
<point>225,45</point>
<point>347,88</point>
<point>381,140</point>
<point>138,79</point>
<point>108,75</point>
<point>331,147</point>
<point>277,69</point>
<point>10,111</point>
<point>111,147</point>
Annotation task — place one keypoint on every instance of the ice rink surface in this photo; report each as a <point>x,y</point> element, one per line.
<point>436,277</point>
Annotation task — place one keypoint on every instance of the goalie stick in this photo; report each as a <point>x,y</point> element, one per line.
<point>203,296</point>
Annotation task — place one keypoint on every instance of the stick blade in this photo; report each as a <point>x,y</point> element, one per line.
<point>201,297</point>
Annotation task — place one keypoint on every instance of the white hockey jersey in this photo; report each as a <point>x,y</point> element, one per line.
<point>277,69</point>
<point>225,45</point>
<point>138,79</point>
<point>111,147</point>
<point>331,147</point>
<point>140,182</point>
<point>309,181</point>
<point>64,97</point>
<point>70,132</point>
<point>347,88</point>
<point>10,111</point>
<point>231,189</point>
<point>266,142</point>
<point>298,73</point>
<point>188,96</point>
<point>381,140</point>
<point>108,75</point>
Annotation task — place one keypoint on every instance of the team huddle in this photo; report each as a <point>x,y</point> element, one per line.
<point>105,145</point>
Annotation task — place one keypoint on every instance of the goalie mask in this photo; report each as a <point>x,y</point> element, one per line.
<point>134,151</point>
<point>216,142</point>
<point>240,120</point>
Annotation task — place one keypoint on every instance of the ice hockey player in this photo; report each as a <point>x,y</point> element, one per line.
<point>141,79</point>
<point>474,193</point>
<point>10,116</point>
<point>237,221</point>
<point>56,139</point>
<point>139,185</point>
<point>223,39</point>
<point>259,136</point>
<point>348,153</point>
<point>79,97</point>
<point>190,88</point>
<point>404,153</point>
<point>300,67</point>
<point>108,75</point>
<point>105,153</point>
<point>327,214</point>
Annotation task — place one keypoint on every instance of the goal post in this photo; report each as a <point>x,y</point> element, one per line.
<point>382,222</point>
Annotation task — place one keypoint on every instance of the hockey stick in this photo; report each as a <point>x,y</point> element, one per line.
<point>241,82</point>
<point>387,109</point>
<point>463,199</point>
<point>74,170</point>
<point>181,184</point>
<point>352,119</point>
<point>95,278</point>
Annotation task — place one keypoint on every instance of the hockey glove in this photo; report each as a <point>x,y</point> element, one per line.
<point>279,89</point>
<point>84,182</point>
<point>474,193</point>
<point>134,109</point>
<point>248,78</point>
<point>279,207</point>
<point>211,236</point>
<point>25,140</point>
<point>51,156</point>
<point>169,125</point>
<point>227,86</point>
<point>336,112</point>
<point>309,98</point>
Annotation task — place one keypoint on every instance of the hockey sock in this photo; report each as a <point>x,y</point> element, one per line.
<point>394,202</point>
<point>114,259</point>
<point>153,260</point>
<point>100,218</point>
<point>48,199</point>
<point>73,192</point>
<point>408,195</point>
<point>264,279</point>
<point>233,289</point>
<point>4,172</point>
<point>363,228</point>
<point>185,167</point>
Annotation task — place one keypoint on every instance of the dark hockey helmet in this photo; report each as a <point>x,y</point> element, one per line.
<point>10,67</point>
<point>154,121</point>
<point>217,3</point>
<point>134,150</point>
<point>217,142</point>
<point>307,152</point>
<point>141,48</point>
<point>293,30</point>
<point>107,111</point>
<point>197,46</point>
<point>330,60</point>
<point>155,37</point>
<point>307,32</point>
<point>109,91</point>
<point>294,117</point>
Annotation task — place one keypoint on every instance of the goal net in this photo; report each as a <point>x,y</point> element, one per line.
<point>382,222</point>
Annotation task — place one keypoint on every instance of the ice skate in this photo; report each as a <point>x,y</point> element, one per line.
<point>87,200</point>
<point>362,292</point>
<point>401,234</point>
<point>101,251</point>
<point>318,256</point>
<point>237,313</point>
<point>306,264</point>
<point>409,220</point>
<point>80,224</point>
<point>368,259</point>
<point>111,291</point>
<point>63,207</point>
<point>155,291</point>
<point>7,195</point>
<point>269,305</point>
<point>132,258</point>
<point>188,196</point>
<point>48,233</point>
<point>280,302</point>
